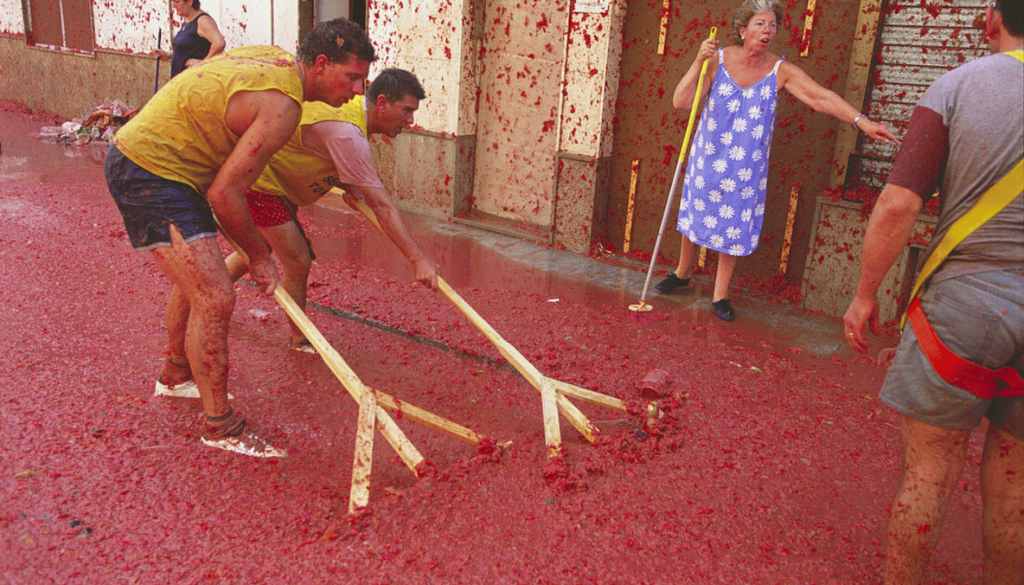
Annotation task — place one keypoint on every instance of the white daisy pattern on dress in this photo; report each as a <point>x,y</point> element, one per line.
<point>725,200</point>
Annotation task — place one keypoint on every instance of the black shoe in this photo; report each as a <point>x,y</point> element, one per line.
<point>724,310</point>
<point>671,283</point>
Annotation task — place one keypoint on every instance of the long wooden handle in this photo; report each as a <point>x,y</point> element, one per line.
<point>551,400</point>
<point>362,459</point>
<point>675,183</point>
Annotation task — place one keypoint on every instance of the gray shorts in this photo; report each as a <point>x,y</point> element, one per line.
<point>981,318</point>
<point>150,204</point>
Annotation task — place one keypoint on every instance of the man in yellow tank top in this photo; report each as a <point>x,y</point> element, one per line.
<point>192,152</point>
<point>331,149</point>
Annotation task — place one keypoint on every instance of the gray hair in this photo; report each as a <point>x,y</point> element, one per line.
<point>748,9</point>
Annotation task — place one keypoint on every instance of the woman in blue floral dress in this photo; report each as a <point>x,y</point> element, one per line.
<point>726,180</point>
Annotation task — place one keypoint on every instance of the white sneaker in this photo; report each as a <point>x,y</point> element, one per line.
<point>186,389</point>
<point>247,443</point>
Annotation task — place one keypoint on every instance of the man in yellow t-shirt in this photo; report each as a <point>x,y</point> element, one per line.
<point>331,149</point>
<point>192,152</point>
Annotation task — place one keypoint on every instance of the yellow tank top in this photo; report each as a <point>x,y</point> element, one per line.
<point>180,134</point>
<point>296,172</point>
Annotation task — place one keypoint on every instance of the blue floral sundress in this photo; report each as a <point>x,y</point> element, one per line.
<point>726,181</point>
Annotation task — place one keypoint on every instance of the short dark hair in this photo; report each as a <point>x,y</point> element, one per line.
<point>195,4</point>
<point>394,84</point>
<point>337,40</point>
<point>1013,15</point>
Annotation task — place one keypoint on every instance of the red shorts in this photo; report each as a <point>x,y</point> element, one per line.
<point>269,210</point>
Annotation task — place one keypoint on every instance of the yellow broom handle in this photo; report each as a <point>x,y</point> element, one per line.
<point>696,100</point>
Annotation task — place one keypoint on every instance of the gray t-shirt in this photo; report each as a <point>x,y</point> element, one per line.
<point>981,104</point>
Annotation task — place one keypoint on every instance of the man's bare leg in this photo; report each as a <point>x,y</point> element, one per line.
<point>176,368</point>
<point>290,246</point>
<point>197,268</point>
<point>1002,496</point>
<point>933,460</point>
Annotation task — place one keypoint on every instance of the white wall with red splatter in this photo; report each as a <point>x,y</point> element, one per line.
<point>11,19</point>
<point>133,26</point>
<point>530,79</point>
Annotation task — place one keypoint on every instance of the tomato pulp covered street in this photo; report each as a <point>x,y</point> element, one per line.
<point>774,462</point>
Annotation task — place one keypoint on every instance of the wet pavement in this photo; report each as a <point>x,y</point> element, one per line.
<point>472,257</point>
<point>775,462</point>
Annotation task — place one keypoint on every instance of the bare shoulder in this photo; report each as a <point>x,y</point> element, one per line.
<point>789,72</point>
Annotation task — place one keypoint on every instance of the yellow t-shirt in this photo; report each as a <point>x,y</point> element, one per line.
<point>296,172</point>
<point>180,134</point>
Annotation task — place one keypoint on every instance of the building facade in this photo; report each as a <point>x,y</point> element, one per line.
<point>552,120</point>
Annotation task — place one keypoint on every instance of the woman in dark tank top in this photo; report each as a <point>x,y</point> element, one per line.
<point>197,39</point>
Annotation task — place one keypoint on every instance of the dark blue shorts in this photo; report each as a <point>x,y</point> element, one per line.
<point>149,204</point>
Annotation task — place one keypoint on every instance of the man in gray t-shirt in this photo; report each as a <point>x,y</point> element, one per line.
<point>965,135</point>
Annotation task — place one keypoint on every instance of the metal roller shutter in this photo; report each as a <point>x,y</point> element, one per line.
<point>918,42</point>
